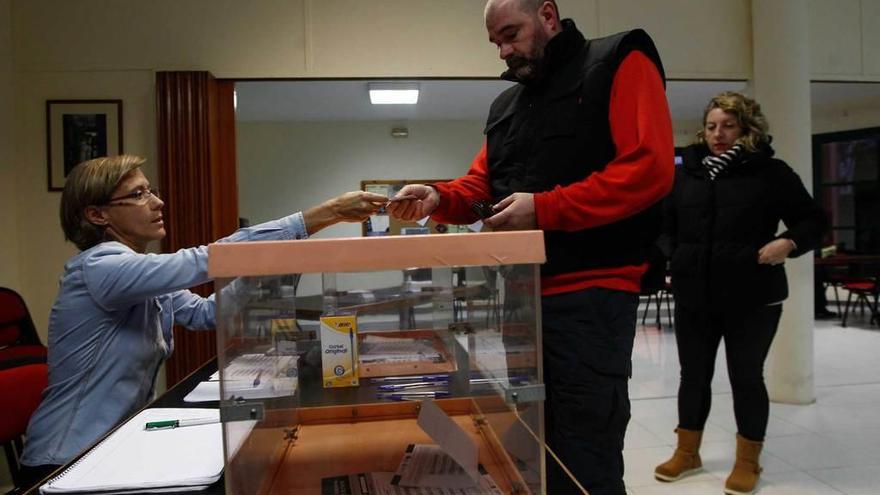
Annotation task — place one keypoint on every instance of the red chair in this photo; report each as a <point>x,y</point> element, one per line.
<point>18,337</point>
<point>863,291</point>
<point>21,388</point>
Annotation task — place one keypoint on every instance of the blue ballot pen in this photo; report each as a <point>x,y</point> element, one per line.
<point>414,378</point>
<point>351,348</point>
<point>412,396</point>
<point>177,423</point>
<point>513,379</point>
<point>413,385</point>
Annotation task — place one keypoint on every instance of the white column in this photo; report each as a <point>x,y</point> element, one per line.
<point>781,82</point>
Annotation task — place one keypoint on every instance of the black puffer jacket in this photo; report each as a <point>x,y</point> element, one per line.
<point>714,229</point>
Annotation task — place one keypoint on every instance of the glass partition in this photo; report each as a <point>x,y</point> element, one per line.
<point>413,353</point>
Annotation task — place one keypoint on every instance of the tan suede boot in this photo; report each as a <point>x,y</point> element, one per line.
<point>746,470</point>
<point>686,459</point>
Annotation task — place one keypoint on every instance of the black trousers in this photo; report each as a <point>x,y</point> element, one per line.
<point>587,341</point>
<point>747,334</point>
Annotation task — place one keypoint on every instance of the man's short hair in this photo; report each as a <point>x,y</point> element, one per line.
<point>529,6</point>
<point>92,183</point>
<point>532,6</point>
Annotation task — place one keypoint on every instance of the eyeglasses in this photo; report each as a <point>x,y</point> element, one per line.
<point>139,197</point>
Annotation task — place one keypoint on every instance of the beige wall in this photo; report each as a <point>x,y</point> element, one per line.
<point>295,38</point>
<point>844,39</point>
<point>43,250</point>
<point>9,271</point>
<point>846,119</point>
<point>285,167</point>
<point>111,48</point>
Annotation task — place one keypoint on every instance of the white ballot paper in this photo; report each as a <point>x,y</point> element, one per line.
<point>250,376</point>
<point>448,468</point>
<point>382,484</point>
<point>449,437</point>
<point>451,464</point>
<point>427,470</point>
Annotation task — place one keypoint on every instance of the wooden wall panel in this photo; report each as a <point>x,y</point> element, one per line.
<point>197,173</point>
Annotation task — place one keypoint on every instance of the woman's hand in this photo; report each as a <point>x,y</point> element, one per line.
<point>354,206</point>
<point>775,251</point>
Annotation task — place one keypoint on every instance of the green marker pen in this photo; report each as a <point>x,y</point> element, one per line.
<point>177,423</point>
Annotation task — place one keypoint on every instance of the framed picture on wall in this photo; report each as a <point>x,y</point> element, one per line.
<point>79,130</point>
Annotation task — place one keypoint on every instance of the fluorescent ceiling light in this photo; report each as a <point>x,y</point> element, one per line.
<point>394,93</point>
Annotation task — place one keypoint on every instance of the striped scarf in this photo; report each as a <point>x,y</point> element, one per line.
<point>715,165</point>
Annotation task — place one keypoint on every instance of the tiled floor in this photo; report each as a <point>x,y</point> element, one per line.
<point>829,447</point>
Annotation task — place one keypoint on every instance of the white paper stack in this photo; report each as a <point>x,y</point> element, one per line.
<point>133,459</point>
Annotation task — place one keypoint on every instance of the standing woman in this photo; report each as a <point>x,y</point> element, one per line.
<point>110,326</point>
<point>720,231</point>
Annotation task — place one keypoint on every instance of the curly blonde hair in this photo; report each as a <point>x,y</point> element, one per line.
<point>748,115</point>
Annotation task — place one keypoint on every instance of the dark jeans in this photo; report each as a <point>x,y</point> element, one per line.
<point>587,340</point>
<point>747,336</point>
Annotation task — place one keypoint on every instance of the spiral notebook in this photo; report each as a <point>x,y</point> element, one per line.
<point>133,460</point>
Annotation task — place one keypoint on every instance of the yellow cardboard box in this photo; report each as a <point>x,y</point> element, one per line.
<point>339,354</point>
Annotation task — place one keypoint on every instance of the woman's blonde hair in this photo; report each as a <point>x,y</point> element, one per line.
<point>748,114</point>
<point>92,183</point>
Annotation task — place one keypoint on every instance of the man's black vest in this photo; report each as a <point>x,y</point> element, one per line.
<point>555,132</point>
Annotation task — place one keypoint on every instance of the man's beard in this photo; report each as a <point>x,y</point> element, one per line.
<point>525,69</point>
<point>531,67</point>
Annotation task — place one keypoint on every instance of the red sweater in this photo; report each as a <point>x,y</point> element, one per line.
<point>640,175</point>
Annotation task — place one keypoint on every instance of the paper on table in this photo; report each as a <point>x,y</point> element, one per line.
<point>210,391</point>
<point>250,376</point>
<point>133,458</point>
<point>248,367</point>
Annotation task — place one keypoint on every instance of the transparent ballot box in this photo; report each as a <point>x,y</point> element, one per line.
<point>411,363</point>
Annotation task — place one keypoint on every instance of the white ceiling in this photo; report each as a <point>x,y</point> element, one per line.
<point>347,100</point>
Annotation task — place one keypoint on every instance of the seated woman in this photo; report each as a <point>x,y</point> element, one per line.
<point>110,326</point>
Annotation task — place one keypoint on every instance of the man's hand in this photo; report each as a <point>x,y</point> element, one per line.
<point>775,251</point>
<point>414,202</point>
<point>515,212</point>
